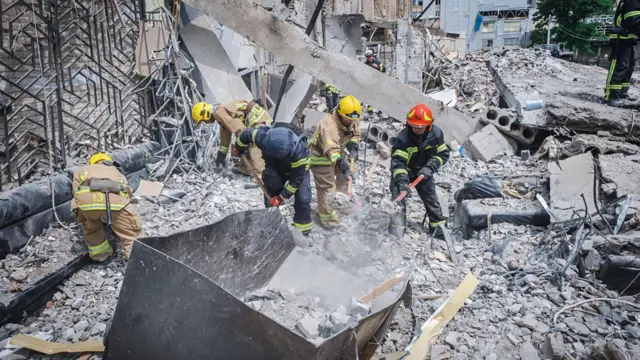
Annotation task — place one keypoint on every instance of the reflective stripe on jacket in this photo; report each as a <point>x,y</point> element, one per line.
<point>235,116</point>
<point>330,139</point>
<point>85,199</point>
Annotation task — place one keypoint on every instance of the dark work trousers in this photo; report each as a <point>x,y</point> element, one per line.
<point>275,181</point>
<point>621,68</point>
<point>427,191</point>
<point>332,101</point>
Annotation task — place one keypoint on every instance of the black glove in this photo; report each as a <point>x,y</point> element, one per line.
<point>427,171</point>
<point>352,147</point>
<point>344,168</point>
<point>221,158</point>
<point>402,184</point>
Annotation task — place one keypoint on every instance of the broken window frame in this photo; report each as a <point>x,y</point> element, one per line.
<point>486,25</point>
<point>511,42</point>
<point>508,24</point>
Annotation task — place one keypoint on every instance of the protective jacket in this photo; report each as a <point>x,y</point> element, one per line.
<point>411,153</point>
<point>627,20</point>
<point>235,116</point>
<point>282,150</point>
<point>85,199</point>
<point>381,67</point>
<point>330,139</point>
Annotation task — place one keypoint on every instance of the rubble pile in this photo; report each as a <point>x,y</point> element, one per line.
<point>471,79</point>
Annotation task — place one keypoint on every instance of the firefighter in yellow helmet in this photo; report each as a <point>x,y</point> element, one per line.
<point>233,117</point>
<point>91,184</point>
<point>334,143</point>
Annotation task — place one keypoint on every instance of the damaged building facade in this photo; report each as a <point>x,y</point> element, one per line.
<point>539,256</point>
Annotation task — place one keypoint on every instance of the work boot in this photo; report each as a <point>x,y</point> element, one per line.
<point>329,221</point>
<point>616,102</point>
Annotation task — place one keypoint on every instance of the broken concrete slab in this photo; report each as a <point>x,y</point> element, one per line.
<point>290,45</point>
<point>342,34</point>
<point>488,144</point>
<point>624,173</point>
<point>218,76</point>
<point>576,177</point>
<point>473,213</point>
<point>295,99</point>
<point>572,93</point>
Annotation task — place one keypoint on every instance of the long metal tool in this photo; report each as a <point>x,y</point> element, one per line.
<point>255,177</point>
<point>411,186</point>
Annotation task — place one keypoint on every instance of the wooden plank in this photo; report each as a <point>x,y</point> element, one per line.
<point>49,348</point>
<point>419,349</point>
<point>384,287</point>
<point>372,169</point>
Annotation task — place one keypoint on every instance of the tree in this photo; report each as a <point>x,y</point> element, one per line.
<point>539,36</point>
<point>568,17</point>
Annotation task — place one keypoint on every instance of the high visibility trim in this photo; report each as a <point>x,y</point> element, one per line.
<point>83,176</point>
<point>441,148</point>
<point>224,149</point>
<point>398,226</point>
<point>607,88</point>
<point>400,171</point>
<point>330,216</point>
<point>412,150</point>
<point>290,188</point>
<point>303,227</point>
<point>239,142</point>
<point>626,85</point>
<point>242,106</point>
<point>630,14</point>
<point>253,135</point>
<point>319,160</point>
<point>97,206</point>
<point>303,161</point>
<point>354,141</point>
<point>401,153</point>
<point>437,223</point>
<point>441,160</point>
<point>83,190</point>
<point>622,37</point>
<point>613,87</point>
<point>334,157</point>
<point>99,249</point>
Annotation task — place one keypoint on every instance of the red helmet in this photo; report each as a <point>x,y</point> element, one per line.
<point>419,116</point>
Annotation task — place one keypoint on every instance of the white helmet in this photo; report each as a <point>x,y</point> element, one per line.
<point>369,52</point>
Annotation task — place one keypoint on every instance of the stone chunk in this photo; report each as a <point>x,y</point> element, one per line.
<point>440,352</point>
<point>488,144</point>
<point>528,352</point>
<point>553,347</point>
<point>308,326</point>
<point>19,275</point>
<point>529,322</point>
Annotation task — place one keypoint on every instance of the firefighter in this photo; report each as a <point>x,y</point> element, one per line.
<point>623,39</point>
<point>373,62</point>
<point>333,144</point>
<point>91,184</point>
<point>331,95</point>
<point>233,117</point>
<point>287,168</point>
<point>419,149</point>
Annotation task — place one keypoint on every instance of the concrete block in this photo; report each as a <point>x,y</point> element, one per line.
<point>553,347</point>
<point>575,178</point>
<point>473,213</point>
<point>488,144</point>
<point>624,173</point>
<point>308,326</point>
<point>507,122</point>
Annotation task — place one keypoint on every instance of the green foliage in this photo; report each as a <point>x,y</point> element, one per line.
<point>539,36</point>
<point>568,16</point>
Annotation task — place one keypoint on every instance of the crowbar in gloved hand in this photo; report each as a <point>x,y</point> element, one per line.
<point>411,186</point>
<point>255,176</point>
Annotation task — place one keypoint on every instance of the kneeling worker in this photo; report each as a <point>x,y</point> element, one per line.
<point>287,168</point>
<point>335,140</point>
<point>233,117</point>
<point>419,149</point>
<point>92,184</point>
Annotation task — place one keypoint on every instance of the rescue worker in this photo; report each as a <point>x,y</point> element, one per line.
<point>623,39</point>
<point>233,117</point>
<point>331,95</point>
<point>373,62</point>
<point>419,149</point>
<point>287,168</point>
<point>91,184</point>
<point>333,144</point>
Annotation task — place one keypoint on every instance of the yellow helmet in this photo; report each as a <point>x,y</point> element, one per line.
<point>99,156</point>
<point>201,112</point>
<point>350,108</point>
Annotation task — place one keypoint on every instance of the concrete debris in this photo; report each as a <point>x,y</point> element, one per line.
<point>568,182</point>
<point>308,326</point>
<point>553,347</point>
<point>488,144</point>
<point>384,150</point>
<point>622,172</point>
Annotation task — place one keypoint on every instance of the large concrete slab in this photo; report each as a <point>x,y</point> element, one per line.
<point>624,173</point>
<point>575,178</point>
<point>218,75</point>
<point>294,100</point>
<point>342,33</point>
<point>289,44</point>
<point>572,93</point>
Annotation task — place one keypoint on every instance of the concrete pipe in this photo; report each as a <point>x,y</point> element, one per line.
<point>509,125</point>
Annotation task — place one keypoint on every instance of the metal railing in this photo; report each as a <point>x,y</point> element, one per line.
<point>66,70</point>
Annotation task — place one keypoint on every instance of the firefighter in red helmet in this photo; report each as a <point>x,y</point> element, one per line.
<point>419,149</point>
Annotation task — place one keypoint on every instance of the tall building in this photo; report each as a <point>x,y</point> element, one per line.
<point>484,23</point>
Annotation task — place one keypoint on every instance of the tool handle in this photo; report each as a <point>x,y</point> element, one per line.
<point>350,187</point>
<point>411,186</point>
<point>246,163</point>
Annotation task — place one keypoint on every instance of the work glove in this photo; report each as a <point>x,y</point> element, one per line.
<point>276,201</point>
<point>426,171</point>
<point>221,158</point>
<point>352,147</point>
<point>344,168</point>
<point>403,185</point>
<point>286,194</point>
